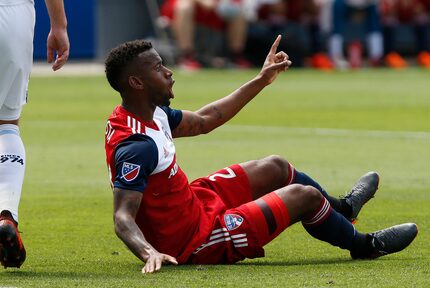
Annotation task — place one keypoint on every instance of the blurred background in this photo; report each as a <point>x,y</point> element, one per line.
<point>194,34</point>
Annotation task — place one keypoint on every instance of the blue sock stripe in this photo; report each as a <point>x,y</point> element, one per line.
<point>9,131</point>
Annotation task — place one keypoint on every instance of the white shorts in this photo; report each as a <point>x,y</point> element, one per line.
<point>16,57</point>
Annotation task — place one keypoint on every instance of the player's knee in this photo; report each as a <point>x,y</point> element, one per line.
<point>314,196</point>
<point>311,198</point>
<point>279,164</point>
<point>300,200</point>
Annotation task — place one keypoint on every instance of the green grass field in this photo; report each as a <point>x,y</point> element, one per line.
<point>334,126</point>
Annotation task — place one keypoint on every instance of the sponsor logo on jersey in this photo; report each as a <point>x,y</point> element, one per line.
<point>232,221</point>
<point>129,171</point>
<point>167,134</point>
<point>173,171</point>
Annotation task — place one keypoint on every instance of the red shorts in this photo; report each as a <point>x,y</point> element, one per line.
<point>245,226</point>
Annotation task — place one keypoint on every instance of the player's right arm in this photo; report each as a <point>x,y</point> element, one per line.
<point>58,39</point>
<point>215,114</point>
<point>136,153</point>
<point>126,205</point>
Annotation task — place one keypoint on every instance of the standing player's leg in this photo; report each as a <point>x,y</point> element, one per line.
<point>274,172</point>
<point>16,48</point>
<point>12,167</point>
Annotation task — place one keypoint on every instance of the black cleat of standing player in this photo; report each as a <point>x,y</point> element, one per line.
<point>361,192</point>
<point>12,251</point>
<point>389,240</point>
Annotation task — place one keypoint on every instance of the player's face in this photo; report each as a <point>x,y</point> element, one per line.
<point>158,80</point>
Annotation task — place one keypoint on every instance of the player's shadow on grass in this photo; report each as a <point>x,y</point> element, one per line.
<point>270,263</point>
<point>135,267</point>
<point>298,262</point>
<point>316,261</point>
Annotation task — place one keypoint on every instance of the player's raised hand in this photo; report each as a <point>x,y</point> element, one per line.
<point>275,63</point>
<point>155,260</point>
<point>57,42</point>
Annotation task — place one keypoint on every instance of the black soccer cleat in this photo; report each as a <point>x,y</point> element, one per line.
<point>361,192</point>
<point>12,251</point>
<point>389,240</point>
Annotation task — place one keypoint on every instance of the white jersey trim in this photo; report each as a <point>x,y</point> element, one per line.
<point>162,138</point>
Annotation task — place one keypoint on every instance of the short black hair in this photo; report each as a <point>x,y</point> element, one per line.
<point>118,59</point>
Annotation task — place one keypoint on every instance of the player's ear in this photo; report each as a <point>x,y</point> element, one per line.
<point>135,82</point>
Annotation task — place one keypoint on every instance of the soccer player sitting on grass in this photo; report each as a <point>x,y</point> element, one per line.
<point>231,214</point>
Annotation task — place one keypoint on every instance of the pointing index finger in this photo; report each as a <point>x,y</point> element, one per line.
<point>275,45</point>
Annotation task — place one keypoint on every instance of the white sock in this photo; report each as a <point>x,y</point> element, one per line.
<point>375,45</point>
<point>335,47</point>
<point>12,168</point>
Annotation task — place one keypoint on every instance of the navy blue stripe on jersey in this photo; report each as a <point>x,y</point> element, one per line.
<point>174,116</point>
<point>135,159</point>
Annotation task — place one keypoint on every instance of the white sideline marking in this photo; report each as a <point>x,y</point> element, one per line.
<point>42,69</point>
<point>329,132</point>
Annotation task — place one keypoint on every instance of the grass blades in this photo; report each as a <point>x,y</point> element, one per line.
<point>333,126</point>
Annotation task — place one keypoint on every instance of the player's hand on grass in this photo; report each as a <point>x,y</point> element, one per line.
<point>155,260</point>
<point>275,63</point>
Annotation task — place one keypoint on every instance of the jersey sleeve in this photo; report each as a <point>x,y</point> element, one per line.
<point>135,159</point>
<point>174,116</point>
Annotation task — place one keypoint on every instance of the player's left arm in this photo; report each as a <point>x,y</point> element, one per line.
<point>219,112</point>
<point>126,206</point>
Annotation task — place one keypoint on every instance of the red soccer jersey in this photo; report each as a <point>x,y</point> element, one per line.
<point>174,218</point>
